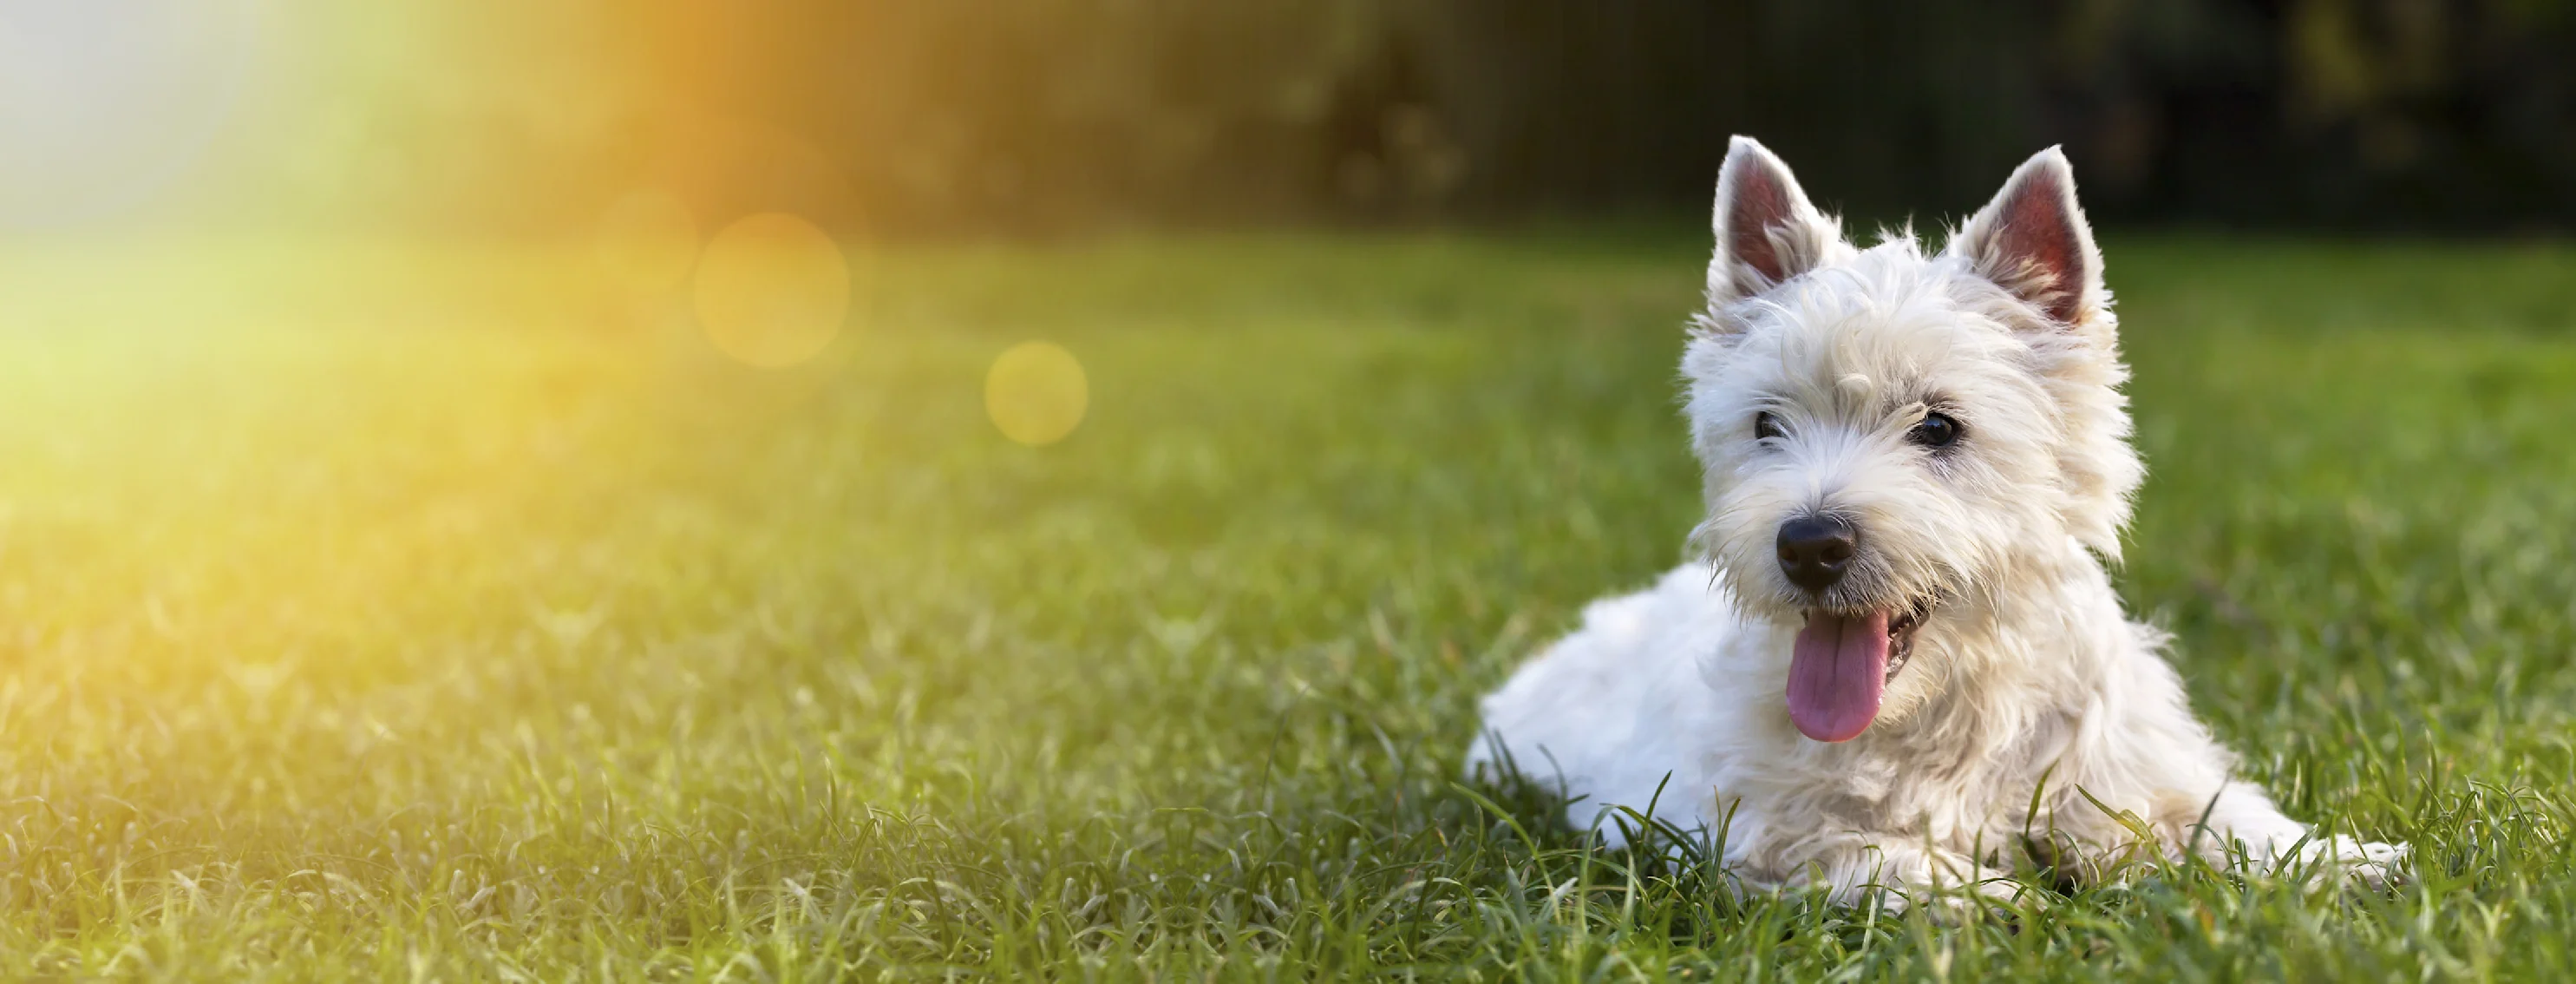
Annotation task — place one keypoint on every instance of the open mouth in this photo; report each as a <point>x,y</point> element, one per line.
<point>1841,663</point>
<point>1900,635</point>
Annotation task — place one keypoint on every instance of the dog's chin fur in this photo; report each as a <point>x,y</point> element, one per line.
<point>2030,711</point>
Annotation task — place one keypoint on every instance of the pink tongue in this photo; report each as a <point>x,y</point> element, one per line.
<point>1835,674</point>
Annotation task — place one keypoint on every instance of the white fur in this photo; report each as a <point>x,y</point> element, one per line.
<point>2028,684</point>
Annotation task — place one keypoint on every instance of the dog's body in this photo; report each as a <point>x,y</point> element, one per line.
<point>1902,663</point>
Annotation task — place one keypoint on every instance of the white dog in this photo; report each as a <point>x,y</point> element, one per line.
<point>1902,664</point>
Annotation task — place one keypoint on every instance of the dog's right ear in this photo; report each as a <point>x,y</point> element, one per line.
<point>1767,231</point>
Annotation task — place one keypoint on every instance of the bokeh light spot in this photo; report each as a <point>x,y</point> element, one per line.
<point>1036,393</point>
<point>647,240</point>
<point>772,289</point>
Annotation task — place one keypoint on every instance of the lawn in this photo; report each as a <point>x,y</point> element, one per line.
<point>442,613</point>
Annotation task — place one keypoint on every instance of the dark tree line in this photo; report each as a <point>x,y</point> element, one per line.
<point>973,116</point>
<point>2424,114</point>
<point>2414,114</point>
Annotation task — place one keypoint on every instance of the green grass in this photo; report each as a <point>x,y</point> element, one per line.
<point>373,614</point>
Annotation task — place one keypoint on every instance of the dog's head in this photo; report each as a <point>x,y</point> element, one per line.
<point>1896,442</point>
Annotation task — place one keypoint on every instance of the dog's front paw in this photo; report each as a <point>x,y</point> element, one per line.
<point>1949,902</point>
<point>2346,861</point>
<point>2368,863</point>
<point>1996,898</point>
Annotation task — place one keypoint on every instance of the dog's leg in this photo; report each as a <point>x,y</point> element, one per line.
<point>2244,830</point>
<point>1899,875</point>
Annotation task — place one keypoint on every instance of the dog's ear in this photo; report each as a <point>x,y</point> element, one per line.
<point>2032,241</point>
<point>1767,231</point>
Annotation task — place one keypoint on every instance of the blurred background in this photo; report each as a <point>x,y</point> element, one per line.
<point>909,118</point>
<point>564,487</point>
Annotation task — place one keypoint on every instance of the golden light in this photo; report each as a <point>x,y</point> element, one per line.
<point>772,290</point>
<point>1036,393</point>
<point>647,240</point>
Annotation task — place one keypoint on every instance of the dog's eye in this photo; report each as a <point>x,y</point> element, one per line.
<point>1766,427</point>
<point>1935,431</point>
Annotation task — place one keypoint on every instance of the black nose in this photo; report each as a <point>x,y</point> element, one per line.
<point>1815,549</point>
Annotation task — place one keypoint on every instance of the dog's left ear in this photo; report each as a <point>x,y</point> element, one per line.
<point>2032,241</point>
